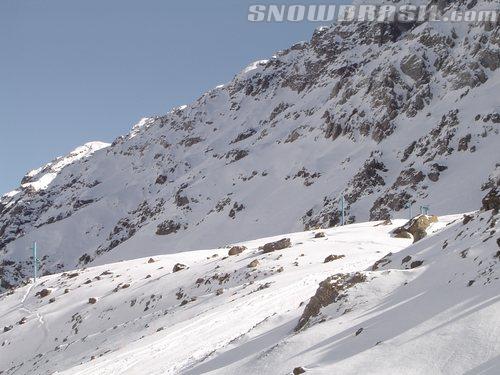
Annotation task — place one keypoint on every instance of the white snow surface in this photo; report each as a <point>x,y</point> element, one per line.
<point>220,317</point>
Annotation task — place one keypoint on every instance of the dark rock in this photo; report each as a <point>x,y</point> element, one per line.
<point>298,371</point>
<point>253,264</point>
<point>161,179</point>
<point>235,250</point>
<point>416,264</point>
<point>278,245</point>
<point>151,260</point>
<point>467,219</point>
<point>43,293</point>
<point>320,235</point>
<point>7,328</point>
<point>167,227</point>
<point>416,227</point>
<point>492,200</point>
<point>92,300</point>
<point>179,267</point>
<point>406,259</point>
<point>329,291</point>
<point>403,234</point>
<point>332,257</point>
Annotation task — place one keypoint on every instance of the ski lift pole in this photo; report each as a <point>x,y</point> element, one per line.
<point>35,262</point>
<point>342,209</point>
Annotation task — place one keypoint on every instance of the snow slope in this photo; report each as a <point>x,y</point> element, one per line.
<point>219,316</point>
<point>385,116</point>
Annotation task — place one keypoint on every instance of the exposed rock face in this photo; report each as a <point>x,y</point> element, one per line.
<point>415,67</point>
<point>330,291</point>
<point>492,200</point>
<point>416,227</point>
<point>278,245</point>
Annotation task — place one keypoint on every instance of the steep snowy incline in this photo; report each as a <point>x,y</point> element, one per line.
<point>383,306</point>
<point>385,116</point>
<point>146,316</point>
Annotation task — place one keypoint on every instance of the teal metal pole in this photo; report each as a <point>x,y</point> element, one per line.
<point>35,261</point>
<point>342,205</point>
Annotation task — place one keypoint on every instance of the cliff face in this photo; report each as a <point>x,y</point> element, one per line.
<point>385,116</point>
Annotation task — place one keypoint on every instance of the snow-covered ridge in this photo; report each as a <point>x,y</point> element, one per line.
<point>40,179</point>
<point>200,312</point>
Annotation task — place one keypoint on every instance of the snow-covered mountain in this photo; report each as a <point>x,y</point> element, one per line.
<point>384,115</point>
<point>384,305</point>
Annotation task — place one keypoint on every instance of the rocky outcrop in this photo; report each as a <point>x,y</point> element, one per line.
<point>278,245</point>
<point>235,250</point>
<point>492,200</point>
<point>329,291</point>
<point>416,227</point>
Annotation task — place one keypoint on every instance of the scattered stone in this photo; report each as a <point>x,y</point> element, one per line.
<point>7,328</point>
<point>52,300</point>
<point>92,300</point>
<point>382,262</point>
<point>235,250</point>
<point>125,286</point>
<point>467,219</point>
<point>358,332</point>
<point>332,257</point>
<point>23,320</point>
<point>298,371</point>
<point>320,235</point>
<point>160,329</point>
<point>278,245</point>
<point>384,223</point>
<point>253,264</point>
<point>219,292</point>
<point>416,264</point>
<point>151,260</point>
<point>179,267</point>
<point>406,259</point>
<point>200,280</point>
<point>43,293</point>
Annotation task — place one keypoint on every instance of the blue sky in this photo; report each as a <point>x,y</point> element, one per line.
<point>73,71</point>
